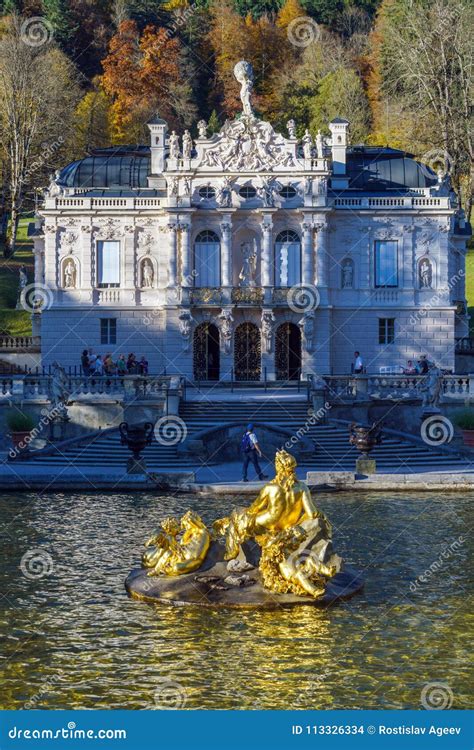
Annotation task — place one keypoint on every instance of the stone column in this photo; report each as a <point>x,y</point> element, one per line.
<point>308,275</point>
<point>265,269</point>
<point>186,278</point>
<point>226,253</point>
<point>322,255</point>
<point>172,259</point>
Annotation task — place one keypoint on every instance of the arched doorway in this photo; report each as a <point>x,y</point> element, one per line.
<point>206,354</point>
<point>288,352</point>
<point>247,359</point>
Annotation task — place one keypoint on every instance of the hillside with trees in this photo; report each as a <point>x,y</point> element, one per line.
<point>81,74</point>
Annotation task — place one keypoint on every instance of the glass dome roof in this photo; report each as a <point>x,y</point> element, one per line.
<point>113,168</point>
<point>373,169</point>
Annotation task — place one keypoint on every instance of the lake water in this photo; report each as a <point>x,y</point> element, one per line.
<point>73,639</point>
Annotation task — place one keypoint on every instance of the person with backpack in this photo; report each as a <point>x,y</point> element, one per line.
<point>251,453</point>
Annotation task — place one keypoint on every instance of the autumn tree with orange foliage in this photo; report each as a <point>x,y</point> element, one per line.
<point>143,75</point>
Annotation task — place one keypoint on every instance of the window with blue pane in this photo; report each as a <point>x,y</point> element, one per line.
<point>386,263</point>
<point>207,260</point>
<point>108,263</point>
<point>108,330</point>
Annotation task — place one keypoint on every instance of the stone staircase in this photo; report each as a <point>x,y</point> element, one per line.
<point>332,449</point>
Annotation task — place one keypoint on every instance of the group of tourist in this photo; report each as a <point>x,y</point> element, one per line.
<point>421,367</point>
<point>98,364</point>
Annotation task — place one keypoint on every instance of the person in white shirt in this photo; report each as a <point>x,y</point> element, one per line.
<point>358,364</point>
<point>251,453</point>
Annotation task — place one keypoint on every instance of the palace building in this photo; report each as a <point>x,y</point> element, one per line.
<point>249,254</point>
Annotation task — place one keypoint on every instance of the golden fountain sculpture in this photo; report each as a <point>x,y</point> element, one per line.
<point>294,542</point>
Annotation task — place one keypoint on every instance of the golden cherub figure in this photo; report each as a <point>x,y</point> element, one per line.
<point>181,547</point>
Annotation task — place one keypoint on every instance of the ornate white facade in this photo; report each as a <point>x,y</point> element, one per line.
<point>250,254</point>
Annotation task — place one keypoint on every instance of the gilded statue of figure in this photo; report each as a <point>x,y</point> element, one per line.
<point>179,548</point>
<point>282,503</point>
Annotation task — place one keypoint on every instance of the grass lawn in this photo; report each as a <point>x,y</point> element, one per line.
<point>12,321</point>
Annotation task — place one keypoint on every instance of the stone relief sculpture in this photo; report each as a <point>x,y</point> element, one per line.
<point>249,265</point>
<point>268,191</point>
<point>243,72</point>
<point>224,194</point>
<point>347,274</point>
<point>268,322</point>
<point>291,127</point>
<point>307,142</point>
<point>69,274</point>
<point>173,187</point>
<point>187,144</point>
<point>306,325</point>
<point>227,326</point>
<point>186,323</point>
<point>147,274</point>
<point>425,274</point>
<point>247,143</point>
<point>174,146</point>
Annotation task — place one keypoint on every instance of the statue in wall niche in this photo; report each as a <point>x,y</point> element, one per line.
<point>249,265</point>
<point>69,275</point>
<point>224,194</point>
<point>187,144</point>
<point>186,322</point>
<point>319,145</point>
<point>23,281</point>
<point>322,186</point>
<point>202,129</point>
<point>268,322</point>
<point>426,274</point>
<point>308,186</point>
<point>186,186</point>
<point>174,146</point>
<point>268,191</point>
<point>307,327</point>
<point>148,274</point>
<point>347,274</point>
<point>291,126</point>
<point>173,187</point>
<point>307,142</point>
<point>244,74</point>
<point>227,326</point>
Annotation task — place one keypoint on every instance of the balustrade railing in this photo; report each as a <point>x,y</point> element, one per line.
<point>19,343</point>
<point>465,346</point>
<point>81,387</point>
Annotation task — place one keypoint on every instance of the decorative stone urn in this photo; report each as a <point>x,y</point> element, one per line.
<point>136,437</point>
<point>365,439</point>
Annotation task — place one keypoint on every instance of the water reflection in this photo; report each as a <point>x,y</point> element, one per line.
<point>74,639</point>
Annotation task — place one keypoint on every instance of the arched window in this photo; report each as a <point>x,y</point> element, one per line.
<point>287,259</point>
<point>207,259</point>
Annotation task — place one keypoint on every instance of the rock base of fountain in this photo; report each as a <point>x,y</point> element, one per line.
<point>366,466</point>
<point>237,583</point>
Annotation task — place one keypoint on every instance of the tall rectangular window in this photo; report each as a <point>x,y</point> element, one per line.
<point>386,263</point>
<point>386,330</point>
<point>108,263</point>
<point>108,330</point>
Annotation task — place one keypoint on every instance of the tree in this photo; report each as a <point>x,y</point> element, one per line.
<point>93,120</point>
<point>58,15</point>
<point>39,94</point>
<point>425,60</point>
<point>341,94</point>
<point>144,73</point>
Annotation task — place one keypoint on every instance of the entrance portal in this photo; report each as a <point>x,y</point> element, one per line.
<point>288,352</point>
<point>247,360</point>
<point>206,355</point>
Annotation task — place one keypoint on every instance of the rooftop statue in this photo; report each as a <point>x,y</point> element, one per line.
<point>290,555</point>
<point>243,72</point>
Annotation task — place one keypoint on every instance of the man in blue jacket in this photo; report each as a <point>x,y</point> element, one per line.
<point>251,453</point>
